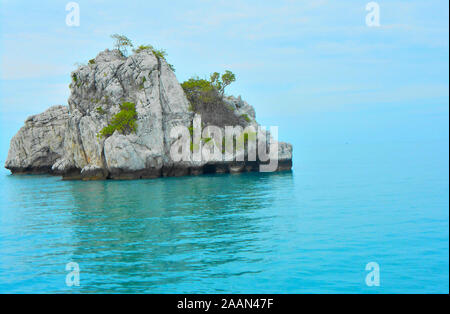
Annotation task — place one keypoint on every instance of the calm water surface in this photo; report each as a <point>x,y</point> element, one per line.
<point>310,230</point>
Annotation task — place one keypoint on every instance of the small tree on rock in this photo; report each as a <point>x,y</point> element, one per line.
<point>221,82</point>
<point>122,43</point>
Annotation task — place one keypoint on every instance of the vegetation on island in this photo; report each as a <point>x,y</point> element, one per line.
<point>100,110</point>
<point>219,82</point>
<point>161,54</point>
<point>246,117</point>
<point>124,121</point>
<point>201,92</point>
<point>122,43</point>
<point>205,96</point>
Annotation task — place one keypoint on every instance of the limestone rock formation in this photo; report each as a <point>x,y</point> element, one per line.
<point>39,143</point>
<point>66,141</point>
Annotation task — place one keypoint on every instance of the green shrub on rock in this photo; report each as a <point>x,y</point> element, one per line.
<point>100,110</point>
<point>203,92</point>
<point>142,48</point>
<point>124,121</point>
<point>199,91</point>
<point>246,117</point>
<point>206,97</point>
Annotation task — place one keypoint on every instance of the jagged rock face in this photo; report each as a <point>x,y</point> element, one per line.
<point>142,79</point>
<point>65,141</point>
<point>39,143</point>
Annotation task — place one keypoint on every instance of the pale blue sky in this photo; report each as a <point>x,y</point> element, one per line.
<point>312,67</point>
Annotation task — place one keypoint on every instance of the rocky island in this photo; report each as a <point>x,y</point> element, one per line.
<point>118,123</point>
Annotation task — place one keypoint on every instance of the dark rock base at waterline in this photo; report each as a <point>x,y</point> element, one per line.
<point>152,173</point>
<point>32,170</point>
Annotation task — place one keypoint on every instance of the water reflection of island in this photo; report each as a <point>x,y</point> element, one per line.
<point>145,236</point>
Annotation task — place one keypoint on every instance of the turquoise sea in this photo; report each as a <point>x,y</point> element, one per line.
<point>353,197</point>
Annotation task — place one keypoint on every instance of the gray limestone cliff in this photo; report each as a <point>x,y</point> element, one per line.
<point>64,140</point>
<point>39,143</point>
